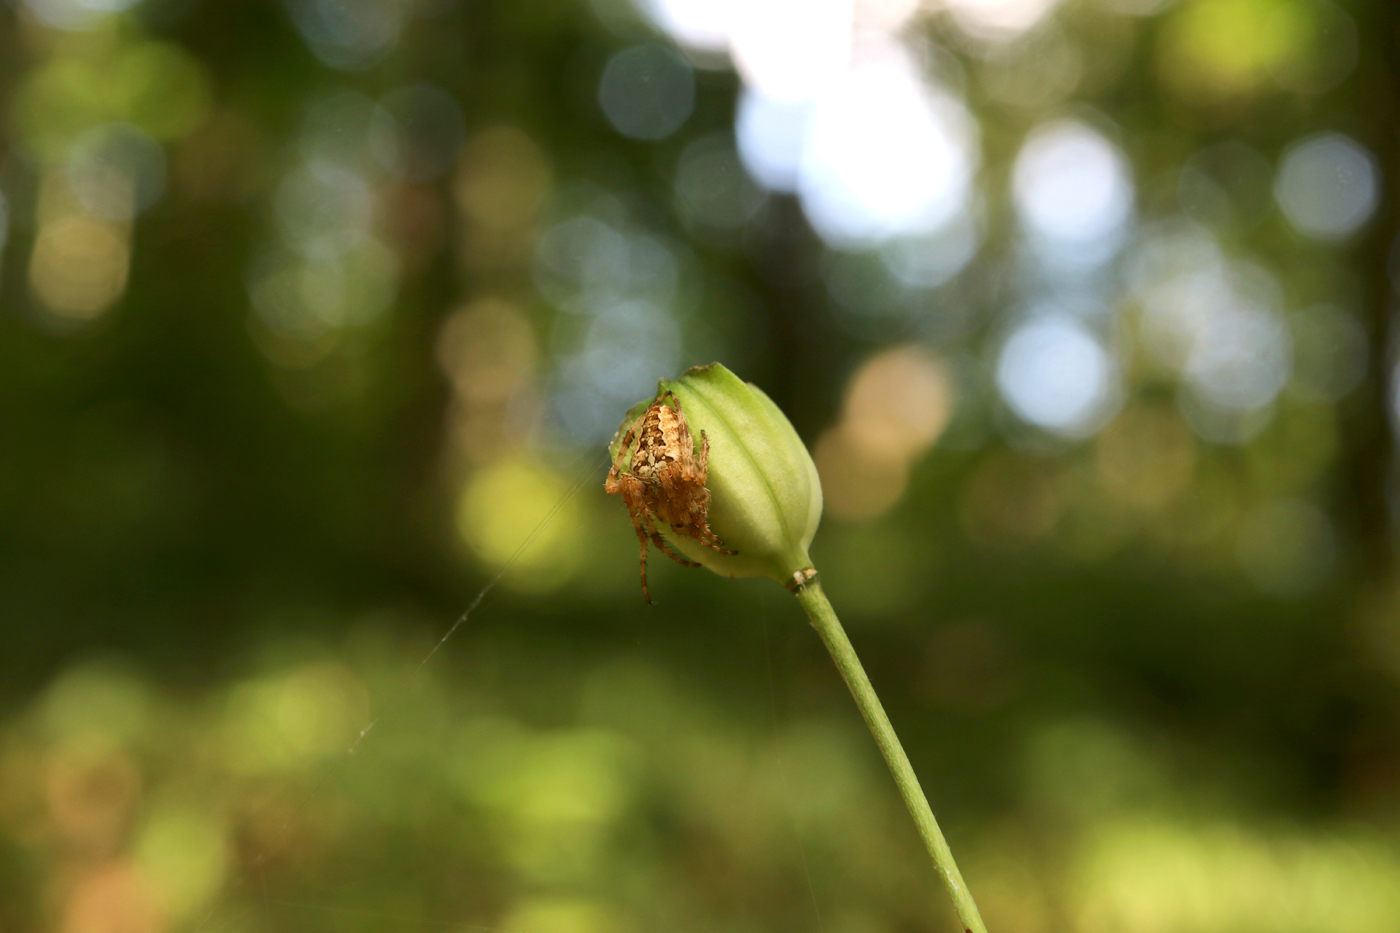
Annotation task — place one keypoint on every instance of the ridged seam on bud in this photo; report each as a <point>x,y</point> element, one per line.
<point>766,499</point>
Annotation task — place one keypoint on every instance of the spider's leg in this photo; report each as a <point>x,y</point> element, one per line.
<point>611,484</point>
<point>700,522</point>
<point>674,488</point>
<point>704,465</point>
<point>642,539</point>
<point>631,490</point>
<point>692,496</point>
<point>710,539</point>
<point>661,545</point>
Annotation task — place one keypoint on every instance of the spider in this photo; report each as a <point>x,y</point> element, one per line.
<point>664,481</point>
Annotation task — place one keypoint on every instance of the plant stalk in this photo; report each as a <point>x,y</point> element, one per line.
<point>824,620</point>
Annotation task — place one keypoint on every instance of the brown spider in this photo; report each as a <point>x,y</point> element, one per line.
<point>664,481</point>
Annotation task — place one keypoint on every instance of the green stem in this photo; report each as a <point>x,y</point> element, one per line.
<point>824,620</point>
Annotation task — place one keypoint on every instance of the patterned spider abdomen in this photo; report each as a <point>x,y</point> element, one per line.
<point>659,442</point>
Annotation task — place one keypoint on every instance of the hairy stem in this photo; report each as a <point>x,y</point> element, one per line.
<point>824,620</point>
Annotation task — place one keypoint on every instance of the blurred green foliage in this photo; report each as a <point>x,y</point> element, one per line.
<point>296,351</point>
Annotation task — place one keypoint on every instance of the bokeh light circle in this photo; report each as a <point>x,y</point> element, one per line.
<point>1056,375</point>
<point>647,92</point>
<point>1073,189</point>
<point>1242,357</point>
<point>1327,186</point>
<point>115,171</point>
<point>884,155</point>
<point>712,188</point>
<point>770,134</point>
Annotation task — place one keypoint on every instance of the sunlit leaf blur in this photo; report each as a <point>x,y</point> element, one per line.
<point>313,311</point>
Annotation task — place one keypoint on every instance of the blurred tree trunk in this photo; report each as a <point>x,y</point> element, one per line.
<point>1370,445</point>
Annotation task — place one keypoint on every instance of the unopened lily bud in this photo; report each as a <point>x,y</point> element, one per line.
<point>765,499</point>
<point>715,467</point>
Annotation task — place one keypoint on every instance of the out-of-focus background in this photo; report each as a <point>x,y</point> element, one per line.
<point>311,312</point>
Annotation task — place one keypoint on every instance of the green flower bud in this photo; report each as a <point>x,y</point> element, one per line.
<point>765,497</point>
<point>712,464</point>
